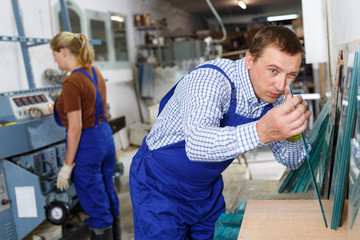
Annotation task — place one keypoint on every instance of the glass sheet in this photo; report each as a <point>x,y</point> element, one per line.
<point>298,180</point>
<point>354,183</point>
<point>310,169</point>
<point>330,162</point>
<point>354,180</point>
<point>335,115</point>
<point>346,128</point>
<point>325,152</point>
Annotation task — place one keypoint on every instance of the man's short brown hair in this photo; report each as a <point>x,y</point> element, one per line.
<point>280,37</point>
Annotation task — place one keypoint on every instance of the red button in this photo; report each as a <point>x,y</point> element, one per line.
<point>5,201</point>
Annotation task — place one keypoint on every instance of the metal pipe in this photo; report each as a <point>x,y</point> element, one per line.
<point>23,44</point>
<point>65,16</point>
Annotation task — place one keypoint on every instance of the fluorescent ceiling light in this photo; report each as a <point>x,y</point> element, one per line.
<point>242,4</point>
<point>282,17</point>
<point>117,18</point>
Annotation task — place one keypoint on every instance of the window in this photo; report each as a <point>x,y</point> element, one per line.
<point>119,36</point>
<point>75,17</point>
<point>108,27</point>
<point>74,21</point>
<point>98,31</point>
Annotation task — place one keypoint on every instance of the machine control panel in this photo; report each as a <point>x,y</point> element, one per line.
<point>28,100</point>
<point>23,105</point>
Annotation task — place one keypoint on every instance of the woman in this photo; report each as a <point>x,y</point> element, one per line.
<point>81,108</point>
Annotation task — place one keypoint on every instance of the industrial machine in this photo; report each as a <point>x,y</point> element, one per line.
<point>32,151</point>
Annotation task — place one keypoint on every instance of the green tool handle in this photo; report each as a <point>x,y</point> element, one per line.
<point>310,167</point>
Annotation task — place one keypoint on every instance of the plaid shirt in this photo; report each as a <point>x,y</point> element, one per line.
<point>194,112</point>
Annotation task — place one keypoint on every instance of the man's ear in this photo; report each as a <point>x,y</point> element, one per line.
<point>249,60</point>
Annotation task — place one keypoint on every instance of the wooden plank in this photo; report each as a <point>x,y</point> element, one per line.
<point>268,190</point>
<point>289,219</point>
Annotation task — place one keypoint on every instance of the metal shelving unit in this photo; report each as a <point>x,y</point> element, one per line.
<point>156,48</point>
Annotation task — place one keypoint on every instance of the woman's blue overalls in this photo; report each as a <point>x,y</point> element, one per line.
<point>174,197</point>
<point>95,165</point>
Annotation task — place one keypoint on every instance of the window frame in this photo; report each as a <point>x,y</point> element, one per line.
<point>85,17</point>
<point>105,16</point>
<point>70,5</point>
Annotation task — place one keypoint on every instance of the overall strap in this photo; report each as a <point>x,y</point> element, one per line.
<point>99,106</point>
<point>232,107</point>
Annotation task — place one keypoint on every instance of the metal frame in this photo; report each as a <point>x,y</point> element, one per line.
<point>65,16</point>
<point>24,46</point>
<point>44,89</point>
<point>35,41</point>
<point>24,41</point>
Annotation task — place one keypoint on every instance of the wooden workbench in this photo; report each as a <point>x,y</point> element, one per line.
<point>290,219</point>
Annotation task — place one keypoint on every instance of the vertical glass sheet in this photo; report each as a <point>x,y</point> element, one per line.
<point>299,180</point>
<point>354,179</point>
<point>335,117</point>
<point>346,129</point>
<point>325,154</point>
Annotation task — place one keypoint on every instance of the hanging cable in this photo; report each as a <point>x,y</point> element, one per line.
<point>220,22</point>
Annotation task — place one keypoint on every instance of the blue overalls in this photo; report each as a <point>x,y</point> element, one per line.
<point>174,197</point>
<point>95,165</point>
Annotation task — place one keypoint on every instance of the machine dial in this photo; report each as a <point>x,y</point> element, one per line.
<point>57,212</point>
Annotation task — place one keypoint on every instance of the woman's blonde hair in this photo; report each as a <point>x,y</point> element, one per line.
<point>77,44</point>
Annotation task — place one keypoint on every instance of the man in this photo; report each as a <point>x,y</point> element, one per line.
<point>218,111</point>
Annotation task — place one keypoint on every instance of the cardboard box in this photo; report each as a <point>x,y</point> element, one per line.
<point>138,132</point>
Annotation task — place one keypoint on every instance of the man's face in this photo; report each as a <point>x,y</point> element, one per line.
<point>271,72</point>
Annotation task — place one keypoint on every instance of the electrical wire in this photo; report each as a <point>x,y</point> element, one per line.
<point>220,22</point>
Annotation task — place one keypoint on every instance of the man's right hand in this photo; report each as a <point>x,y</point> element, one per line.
<point>284,121</point>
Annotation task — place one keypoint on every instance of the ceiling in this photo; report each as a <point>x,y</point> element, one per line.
<point>229,11</point>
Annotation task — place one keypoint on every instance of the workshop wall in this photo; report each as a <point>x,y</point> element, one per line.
<point>38,21</point>
<point>344,25</point>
